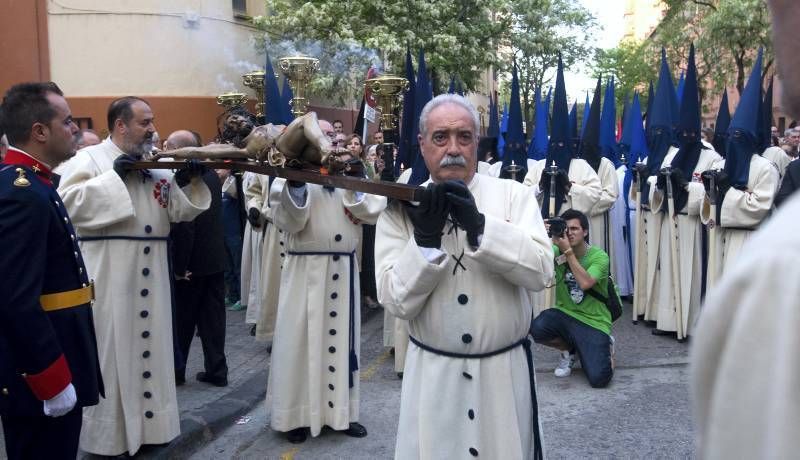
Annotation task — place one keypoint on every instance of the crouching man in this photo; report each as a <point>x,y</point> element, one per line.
<point>580,322</point>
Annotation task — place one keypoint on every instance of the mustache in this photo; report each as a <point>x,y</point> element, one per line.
<point>453,160</point>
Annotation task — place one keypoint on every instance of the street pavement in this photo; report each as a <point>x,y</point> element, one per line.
<point>643,413</point>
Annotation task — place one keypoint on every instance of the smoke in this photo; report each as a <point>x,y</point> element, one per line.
<point>342,65</point>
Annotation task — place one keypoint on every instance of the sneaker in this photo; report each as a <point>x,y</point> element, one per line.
<point>564,368</point>
<point>237,307</point>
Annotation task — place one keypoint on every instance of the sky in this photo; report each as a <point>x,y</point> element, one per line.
<point>609,15</point>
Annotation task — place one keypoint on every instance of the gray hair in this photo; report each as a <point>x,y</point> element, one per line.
<point>442,99</point>
<point>790,131</point>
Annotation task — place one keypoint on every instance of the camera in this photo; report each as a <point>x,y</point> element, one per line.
<point>558,227</point>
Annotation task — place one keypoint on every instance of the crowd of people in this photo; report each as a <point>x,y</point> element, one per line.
<point>110,270</point>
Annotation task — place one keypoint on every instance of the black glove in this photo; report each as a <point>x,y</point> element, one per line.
<point>706,176</point>
<point>254,217</point>
<point>123,163</point>
<point>640,171</point>
<point>193,169</point>
<point>661,181</point>
<point>430,216</point>
<point>355,168</point>
<point>562,179</point>
<point>678,180</point>
<point>723,184</point>
<point>464,210</point>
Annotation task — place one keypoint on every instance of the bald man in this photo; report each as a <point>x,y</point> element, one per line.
<point>182,138</point>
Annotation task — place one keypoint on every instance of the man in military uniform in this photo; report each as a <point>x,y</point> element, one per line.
<point>49,368</point>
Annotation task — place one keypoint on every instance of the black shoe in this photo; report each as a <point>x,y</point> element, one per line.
<point>356,430</point>
<point>269,348</point>
<point>297,436</point>
<point>400,375</point>
<point>253,330</point>
<point>660,332</point>
<point>216,381</point>
<point>179,380</point>
<point>391,351</point>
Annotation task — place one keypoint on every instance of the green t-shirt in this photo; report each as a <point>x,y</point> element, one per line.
<point>590,311</point>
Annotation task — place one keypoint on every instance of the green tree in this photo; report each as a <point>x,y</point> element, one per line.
<point>459,38</point>
<point>540,30</point>
<point>726,33</point>
<point>631,68</point>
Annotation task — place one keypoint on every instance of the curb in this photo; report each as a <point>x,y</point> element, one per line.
<point>202,425</point>
<point>205,423</point>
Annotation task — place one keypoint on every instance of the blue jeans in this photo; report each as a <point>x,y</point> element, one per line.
<point>593,345</point>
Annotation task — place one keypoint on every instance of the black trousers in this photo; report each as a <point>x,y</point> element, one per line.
<point>367,275</point>
<point>43,436</point>
<point>200,303</point>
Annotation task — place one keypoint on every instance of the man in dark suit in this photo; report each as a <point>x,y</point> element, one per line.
<point>49,368</point>
<point>198,266</point>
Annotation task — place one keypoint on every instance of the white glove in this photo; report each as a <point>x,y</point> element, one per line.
<point>61,403</point>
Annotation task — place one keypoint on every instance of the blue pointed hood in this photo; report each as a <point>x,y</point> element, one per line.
<point>587,105</point>
<point>287,95</point>
<point>743,132</point>
<point>538,147</point>
<point>405,152</point>
<point>273,112</point>
<point>501,139</point>
<point>638,147</point>
<point>650,98</point>
<point>422,95</point>
<point>608,121</point>
<point>625,135</point>
<point>721,125</point>
<point>590,142</point>
<point>559,147</point>
<point>660,118</point>
<point>515,137</point>
<point>689,125</point>
<point>573,120</point>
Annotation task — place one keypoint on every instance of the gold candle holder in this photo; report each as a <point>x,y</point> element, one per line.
<point>387,90</point>
<point>255,81</point>
<point>299,70</point>
<point>231,100</point>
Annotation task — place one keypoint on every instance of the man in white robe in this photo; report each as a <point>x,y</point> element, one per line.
<point>744,371</point>
<point>461,282</point>
<point>251,247</point>
<point>273,255</point>
<point>622,220</point>
<point>314,378</point>
<point>123,221</point>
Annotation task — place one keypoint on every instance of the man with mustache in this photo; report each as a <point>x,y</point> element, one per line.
<point>458,267</point>
<point>123,221</point>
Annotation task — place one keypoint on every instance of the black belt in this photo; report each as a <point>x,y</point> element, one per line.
<point>353,358</point>
<point>538,454</point>
<point>123,237</point>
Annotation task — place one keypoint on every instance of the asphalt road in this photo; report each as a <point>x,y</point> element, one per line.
<point>644,413</point>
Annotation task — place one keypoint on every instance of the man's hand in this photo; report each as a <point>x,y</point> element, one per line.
<point>562,179</point>
<point>123,163</point>
<point>430,216</point>
<point>640,171</point>
<point>562,242</point>
<point>193,169</point>
<point>706,176</point>
<point>678,180</point>
<point>254,217</point>
<point>61,403</point>
<point>185,277</point>
<point>464,210</point>
<point>723,183</point>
